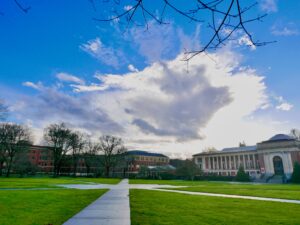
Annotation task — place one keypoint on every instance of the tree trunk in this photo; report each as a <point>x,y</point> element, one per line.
<point>74,168</point>
<point>9,167</point>
<point>1,168</point>
<point>107,168</point>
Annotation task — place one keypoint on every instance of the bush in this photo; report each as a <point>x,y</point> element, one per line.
<point>296,173</point>
<point>242,176</point>
<point>214,177</point>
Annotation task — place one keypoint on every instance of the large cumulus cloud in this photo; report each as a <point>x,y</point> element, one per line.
<point>167,106</point>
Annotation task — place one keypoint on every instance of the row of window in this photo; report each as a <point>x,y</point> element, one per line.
<point>153,159</point>
<point>230,162</point>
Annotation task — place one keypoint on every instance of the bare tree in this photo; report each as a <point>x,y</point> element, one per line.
<point>77,142</point>
<point>295,133</point>
<point>223,19</point>
<point>113,150</point>
<point>58,138</point>
<point>14,138</point>
<point>89,154</point>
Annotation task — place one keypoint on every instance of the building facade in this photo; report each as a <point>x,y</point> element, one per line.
<point>136,159</point>
<point>275,156</point>
<point>41,157</point>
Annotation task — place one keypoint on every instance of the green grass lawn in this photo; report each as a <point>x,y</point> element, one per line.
<point>285,191</point>
<point>48,182</point>
<point>161,208</point>
<point>43,207</point>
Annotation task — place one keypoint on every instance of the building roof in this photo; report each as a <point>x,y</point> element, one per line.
<point>280,137</point>
<point>230,150</point>
<point>144,153</point>
<point>240,149</point>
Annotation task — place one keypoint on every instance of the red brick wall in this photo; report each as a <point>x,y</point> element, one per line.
<point>295,157</point>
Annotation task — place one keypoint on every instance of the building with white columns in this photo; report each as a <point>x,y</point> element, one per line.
<point>275,156</point>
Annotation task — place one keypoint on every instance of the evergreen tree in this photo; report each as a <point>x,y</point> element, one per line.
<point>296,173</point>
<point>242,176</point>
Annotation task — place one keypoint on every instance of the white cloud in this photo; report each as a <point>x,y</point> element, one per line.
<point>87,88</point>
<point>105,54</point>
<point>269,5</point>
<point>165,108</point>
<point>127,7</point>
<point>131,68</point>
<point>37,86</point>
<point>244,40</point>
<point>285,106</point>
<point>285,29</point>
<point>69,78</point>
<point>155,43</point>
<point>282,104</point>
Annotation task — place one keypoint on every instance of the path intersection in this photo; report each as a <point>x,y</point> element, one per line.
<point>113,208</point>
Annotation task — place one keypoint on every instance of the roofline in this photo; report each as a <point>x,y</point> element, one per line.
<point>150,153</point>
<point>222,152</point>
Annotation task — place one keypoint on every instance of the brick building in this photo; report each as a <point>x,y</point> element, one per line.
<point>137,158</point>
<point>41,157</point>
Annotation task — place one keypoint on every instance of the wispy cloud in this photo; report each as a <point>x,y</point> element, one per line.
<point>285,29</point>
<point>69,78</point>
<point>285,106</point>
<point>37,86</point>
<point>107,55</point>
<point>282,104</point>
<point>269,5</point>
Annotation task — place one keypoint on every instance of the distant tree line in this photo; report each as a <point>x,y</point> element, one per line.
<point>63,144</point>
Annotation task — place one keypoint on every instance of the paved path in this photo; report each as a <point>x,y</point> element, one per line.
<point>232,196</point>
<point>112,208</point>
<point>158,187</point>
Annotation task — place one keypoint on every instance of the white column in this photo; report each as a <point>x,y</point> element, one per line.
<point>226,162</point>
<point>244,165</point>
<point>234,162</point>
<point>230,165</point>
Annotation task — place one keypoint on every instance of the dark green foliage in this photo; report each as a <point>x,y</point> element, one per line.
<point>242,176</point>
<point>296,173</point>
<point>188,170</point>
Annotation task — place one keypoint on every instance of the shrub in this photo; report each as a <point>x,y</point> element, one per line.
<point>242,176</point>
<point>296,173</point>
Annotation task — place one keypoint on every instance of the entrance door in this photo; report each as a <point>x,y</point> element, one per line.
<point>278,165</point>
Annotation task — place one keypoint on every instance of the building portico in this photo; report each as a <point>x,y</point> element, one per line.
<point>275,156</point>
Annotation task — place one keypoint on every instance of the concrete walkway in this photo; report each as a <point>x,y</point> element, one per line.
<point>112,208</point>
<point>158,187</point>
<point>232,196</point>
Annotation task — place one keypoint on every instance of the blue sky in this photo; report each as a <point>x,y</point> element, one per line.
<point>56,65</point>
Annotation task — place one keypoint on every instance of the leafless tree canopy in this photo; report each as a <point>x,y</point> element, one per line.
<point>58,138</point>
<point>112,148</point>
<point>13,138</point>
<point>224,19</point>
<point>77,142</point>
<point>295,133</point>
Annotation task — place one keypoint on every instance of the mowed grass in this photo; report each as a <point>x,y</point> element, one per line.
<point>284,191</point>
<point>49,182</point>
<point>161,208</point>
<point>43,207</point>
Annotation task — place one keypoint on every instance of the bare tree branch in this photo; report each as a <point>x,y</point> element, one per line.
<point>20,6</point>
<point>227,21</point>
